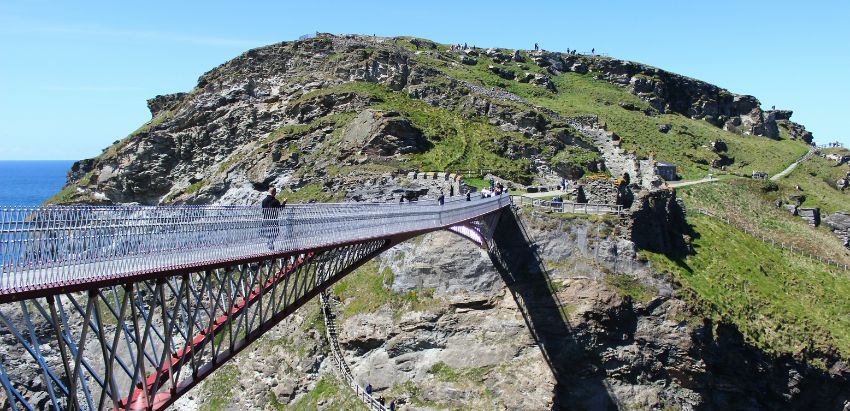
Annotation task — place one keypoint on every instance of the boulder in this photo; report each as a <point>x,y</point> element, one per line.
<point>526,78</point>
<point>628,106</point>
<point>792,208</point>
<point>383,134</point>
<point>664,128</point>
<point>545,81</point>
<point>469,61</point>
<point>505,74</point>
<point>718,146</point>
<point>811,215</point>
<point>164,102</point>
<point>839,224</point>
<point>517,57</point>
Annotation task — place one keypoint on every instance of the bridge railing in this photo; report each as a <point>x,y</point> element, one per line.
<point>54,246</point>
<point>568,207</point>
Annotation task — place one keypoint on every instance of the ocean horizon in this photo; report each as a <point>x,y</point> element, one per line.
<point>31,182</point>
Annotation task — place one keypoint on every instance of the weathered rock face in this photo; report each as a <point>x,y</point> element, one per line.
<point>251,122</point>
<point>839,223</point>
<point>584,346</point>
<point>659,223</point>
<point>383,134</point>
<point>811,215</point>
<point>670,93</point>
<point>162,103</point>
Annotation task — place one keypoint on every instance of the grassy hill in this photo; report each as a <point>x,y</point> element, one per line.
<point>781,302</point>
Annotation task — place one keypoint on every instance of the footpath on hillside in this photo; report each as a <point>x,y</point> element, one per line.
<point>793,165</point>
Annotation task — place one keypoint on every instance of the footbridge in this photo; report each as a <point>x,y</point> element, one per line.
<point>130,307</point>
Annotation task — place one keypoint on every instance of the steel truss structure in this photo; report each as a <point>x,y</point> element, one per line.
<point>140,340</point>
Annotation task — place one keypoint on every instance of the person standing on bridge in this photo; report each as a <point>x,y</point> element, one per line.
<point>271,225</point>
<point>442,198</point>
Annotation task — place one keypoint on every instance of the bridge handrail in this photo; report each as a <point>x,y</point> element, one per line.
<point>336,353</point>
<point>53,246</point>
<point>569,207</point>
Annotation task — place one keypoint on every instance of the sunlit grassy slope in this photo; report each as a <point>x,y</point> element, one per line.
<point>781,302</point>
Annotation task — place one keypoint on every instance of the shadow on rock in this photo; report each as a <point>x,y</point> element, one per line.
<point>579,383</point>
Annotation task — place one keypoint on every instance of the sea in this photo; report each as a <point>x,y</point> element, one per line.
<point>30,183</point>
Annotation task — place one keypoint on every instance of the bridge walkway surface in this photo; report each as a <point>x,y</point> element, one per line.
<point>130,307</point>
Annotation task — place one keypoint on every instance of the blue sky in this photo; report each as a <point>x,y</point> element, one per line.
<point>74,76</point>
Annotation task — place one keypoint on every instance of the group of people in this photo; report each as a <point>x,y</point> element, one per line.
<point>458,46</point>
<point>381,400</point>
<point>496,189</point>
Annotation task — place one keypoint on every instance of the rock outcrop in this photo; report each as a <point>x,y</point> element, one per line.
<point>670,93</point>
<point>839,223</point>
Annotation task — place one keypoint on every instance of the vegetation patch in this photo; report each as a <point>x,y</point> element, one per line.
<point>218,388</point>
<point>781,302</point>
<point>328,390</point>
<point>816,179</point>
<point>444,372</point>
<point>629,286</point>
<point>367,289</point>
<point>459,142</point>
<point>746,205</point>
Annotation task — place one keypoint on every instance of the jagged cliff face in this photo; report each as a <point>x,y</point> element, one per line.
<point>295,115</point>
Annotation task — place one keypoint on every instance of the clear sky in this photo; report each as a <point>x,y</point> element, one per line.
<point>74,76</point>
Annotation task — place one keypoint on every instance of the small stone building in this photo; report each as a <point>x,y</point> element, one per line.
<point>759,175</point>
<point>666,171</point>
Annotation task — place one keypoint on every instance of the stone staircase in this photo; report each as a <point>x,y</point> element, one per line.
<point>617,160</point>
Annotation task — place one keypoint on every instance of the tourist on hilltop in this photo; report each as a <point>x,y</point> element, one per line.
<point>536,47</point>
<point>271,225</point>
<point>593,51</point>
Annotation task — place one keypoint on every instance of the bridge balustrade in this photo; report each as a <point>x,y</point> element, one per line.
<point>43,247</point>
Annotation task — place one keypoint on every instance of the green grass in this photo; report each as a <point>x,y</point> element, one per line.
<point>743,202</point>
<point>478,183</point>
<point>312,192</point>
<point>816,177</point>
<point>218,388</point>
<point>629,286</point>
<point>458,142</point>
<point>365,291</point>
<point>781,303</point>
<point>445,373</point>
<point>329,389</point>
<point>581,94</point>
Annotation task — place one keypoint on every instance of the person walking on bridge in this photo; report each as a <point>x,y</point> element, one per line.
<point>271,225</point>
<point>442,198</point>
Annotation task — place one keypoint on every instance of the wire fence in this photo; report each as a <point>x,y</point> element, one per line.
<point>772,241</point>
